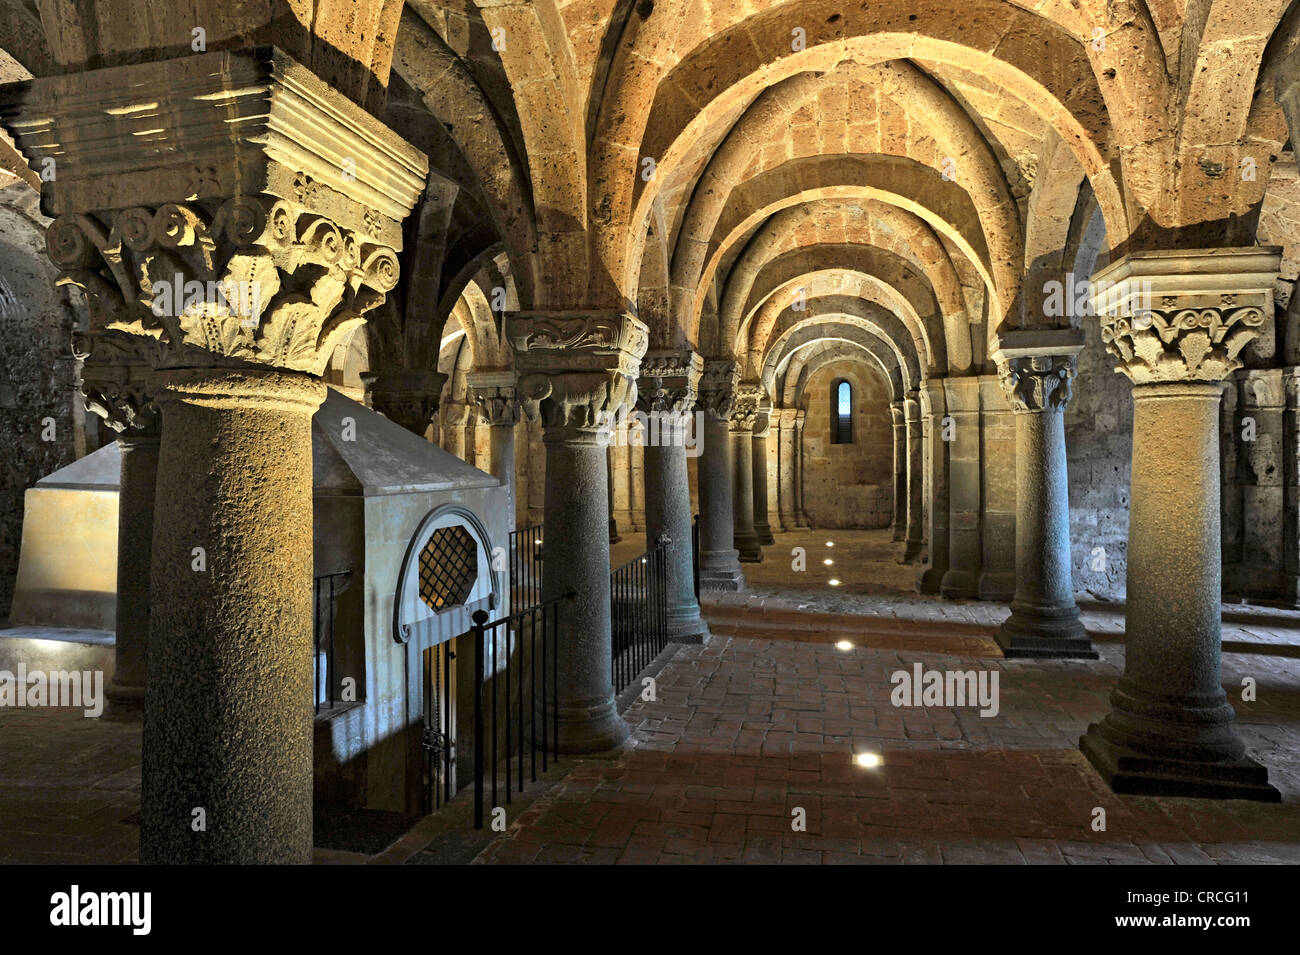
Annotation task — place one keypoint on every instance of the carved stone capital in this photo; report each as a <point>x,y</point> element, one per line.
<point>669,382</point>
<point>454,414</point>
<point>745,410</point>
<point>717,388</point>
<point>494,391</point>
<point>1264,389</point>
<point>117,381</point>
<point>1184,315</point>
<point>1036,366</point>
<point>408,397</point>
<point>577,370</point>
<point>1038,383</point>
<point>786,418</point>
<point>230,206</point>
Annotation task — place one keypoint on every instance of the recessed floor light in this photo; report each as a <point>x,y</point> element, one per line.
<point>843,645</point>
<point>868,760</point>
<point>830,543</point>
<point>828,562</point>
<point>834,582</point>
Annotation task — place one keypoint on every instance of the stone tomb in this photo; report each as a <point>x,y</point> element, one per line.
<point>380,492</point>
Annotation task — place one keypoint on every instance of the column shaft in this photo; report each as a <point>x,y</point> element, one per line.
<point>719,559</point>
<point>135,509</point>
<point>936,469</point>
<point>668,512</point>
<point>576,531</point>
<point>915,481</point>
<point>228,719</point>
<point>761,526</point>
<point>900,470</point>
<point>1169,708</point>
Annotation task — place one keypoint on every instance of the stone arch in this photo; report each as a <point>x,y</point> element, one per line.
<point>860,285</point>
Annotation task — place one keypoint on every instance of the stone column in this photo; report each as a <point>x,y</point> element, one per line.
<point>997,579</point>
<point>611,482</point>
<point>961,579</point>
<point>453,415</point>
<point>915,481</point>
<point>785,469</point>
<point>229,721</point>
<point>666,396</point>
<point>1257,433</point>
<point>636,479</point>
<point>1291,485</point>
<point>933,414</point>
<point>719,559</point>
<point>116,385</point>
<point>801,516</point>
<point>536,473</point>
<point>762,427</point>
<point>577,373</point>
<point>408,397</point>
<point>900,469</point>
<point>495,393</point>
<point>743,416</point>
<point>1036,369</point>
<point>288,254</point>
<point>1176,323</point>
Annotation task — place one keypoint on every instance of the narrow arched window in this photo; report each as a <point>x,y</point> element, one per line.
<point>841,412</point>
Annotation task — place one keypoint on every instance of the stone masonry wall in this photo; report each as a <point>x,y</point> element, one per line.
<point>849,485</point>
<point>1099,444</point>
<point>38,433</point>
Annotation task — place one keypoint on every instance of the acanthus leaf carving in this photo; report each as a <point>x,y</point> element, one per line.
<point>255,280</point>
<point>1188,344</point>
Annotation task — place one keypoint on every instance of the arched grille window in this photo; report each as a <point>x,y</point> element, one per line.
<point>841,412</point>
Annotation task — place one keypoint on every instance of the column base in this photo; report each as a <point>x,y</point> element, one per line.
<point>125,702</point>
<point>749,547</point>
<point>764,532</point>
<point>685,625</point>
<point>585,728</point>
<point>1044,636</point>
<point>929,579</point>
<point>960,584</point>
<point>912,552</point>
<point>614,537</point>
<point>720,570</point>
<point>998,587</point>
<point>900,535</point>
<point>1127,771</point>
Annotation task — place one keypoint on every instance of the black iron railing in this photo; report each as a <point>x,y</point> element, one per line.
<point>526,567</point>
<point>325,590</point>
<point>437,740</point>
<point>516,681</point>
<point>639,613</point>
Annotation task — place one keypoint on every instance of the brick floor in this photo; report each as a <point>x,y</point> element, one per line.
<point>765,720</point>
